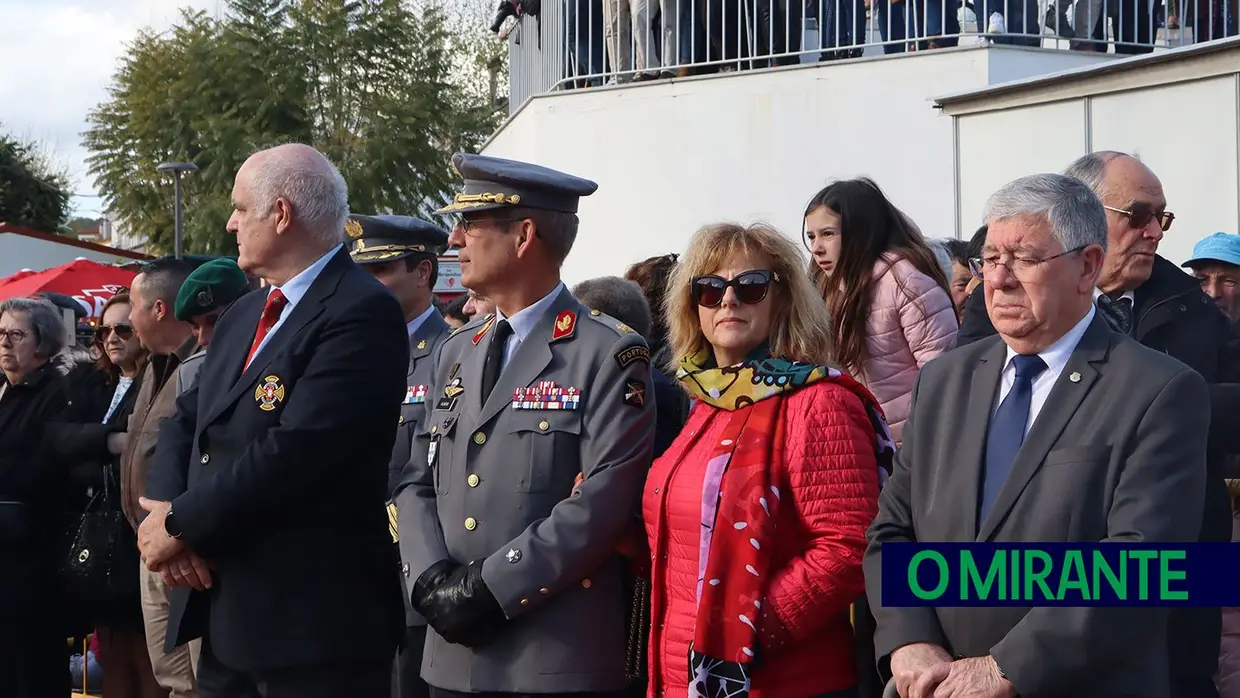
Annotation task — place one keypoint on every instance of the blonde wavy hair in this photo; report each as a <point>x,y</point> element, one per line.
<point>800,330</point>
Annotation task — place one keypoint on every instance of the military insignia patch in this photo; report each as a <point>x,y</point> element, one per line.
<point>269,393</point>
<point>625,328</point>
<point>483,330</point>
<point>546,395</point>
<point>452,371</point>
<point>630,356</point>
<point>353,229</point>
<point>565,323</point>
<point>422,344</point>
<point>454,388</point>
<point>635,393</point>
<point>415,394</point>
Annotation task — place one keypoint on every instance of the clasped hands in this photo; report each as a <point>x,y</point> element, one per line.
<point>924,670</point>
<point>457,603</point>
<point>162,553</point>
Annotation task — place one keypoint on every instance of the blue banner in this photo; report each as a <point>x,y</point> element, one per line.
<point>1061,574</point>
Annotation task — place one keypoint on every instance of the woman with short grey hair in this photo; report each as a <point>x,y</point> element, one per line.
<point>32,484</point>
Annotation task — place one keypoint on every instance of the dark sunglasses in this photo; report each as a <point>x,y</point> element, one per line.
<point>122,330</point>
<point>750,286</point>
<point>1140,214</point>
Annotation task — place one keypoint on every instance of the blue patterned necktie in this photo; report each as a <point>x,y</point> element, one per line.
<point>1007,430</point>
<point>1117,312</point>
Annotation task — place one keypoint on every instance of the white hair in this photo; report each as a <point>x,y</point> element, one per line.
<point>1072,209</point>
<point>311,184</point>
<point>1092,168</point>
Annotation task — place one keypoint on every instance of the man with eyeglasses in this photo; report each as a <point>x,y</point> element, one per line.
<point>515,572</point>
<point>1155,302</point>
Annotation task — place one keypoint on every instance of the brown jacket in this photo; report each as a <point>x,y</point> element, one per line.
<point>156,402</point>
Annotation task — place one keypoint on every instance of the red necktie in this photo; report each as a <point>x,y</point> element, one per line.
<point>271,314</point>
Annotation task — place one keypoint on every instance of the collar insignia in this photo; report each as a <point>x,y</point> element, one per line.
<point>565,323</point>
<point>483,330</point>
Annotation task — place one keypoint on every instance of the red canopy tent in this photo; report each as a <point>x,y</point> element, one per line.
<point>19,275</point>
<point>89,283</point>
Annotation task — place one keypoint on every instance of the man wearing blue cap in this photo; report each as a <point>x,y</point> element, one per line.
<point>403,254</point>
<point>1216,264</point>
<point>516,572</point>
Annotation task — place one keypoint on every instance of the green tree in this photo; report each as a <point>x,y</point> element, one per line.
<point>33,193</point>
<point>374,84</point>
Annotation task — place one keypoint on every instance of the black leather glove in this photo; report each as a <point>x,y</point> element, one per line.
<point>430,580</point>
<point>462,609</point>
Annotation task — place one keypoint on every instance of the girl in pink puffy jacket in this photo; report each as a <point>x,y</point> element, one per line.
<point>887,294</point>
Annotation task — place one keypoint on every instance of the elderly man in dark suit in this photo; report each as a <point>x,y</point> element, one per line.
<point>287,434</point>
<point>1148,298</point>
<point>1058,429</point>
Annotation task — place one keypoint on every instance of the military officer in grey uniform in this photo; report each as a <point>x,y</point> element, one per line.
<point>516,572</point>
<point>403,254</point>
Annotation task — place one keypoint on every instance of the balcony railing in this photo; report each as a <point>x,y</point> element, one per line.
<point>572,44</point>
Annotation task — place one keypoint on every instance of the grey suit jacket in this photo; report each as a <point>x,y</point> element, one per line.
<point>1119,454</point>
<point>493,482</point>
<point>422,346</point>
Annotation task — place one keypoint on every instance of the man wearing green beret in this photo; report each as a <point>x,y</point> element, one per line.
<point>204,296</point>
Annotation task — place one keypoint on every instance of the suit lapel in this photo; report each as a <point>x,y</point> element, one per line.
<point>983,386</point>
<point>532,356</point>
<point>308,308</point>
<point>1061,406</point>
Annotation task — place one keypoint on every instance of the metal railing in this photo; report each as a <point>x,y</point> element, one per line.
<point>588,43</point>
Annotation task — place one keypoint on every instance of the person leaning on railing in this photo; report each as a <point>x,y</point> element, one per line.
<point>32,395</point>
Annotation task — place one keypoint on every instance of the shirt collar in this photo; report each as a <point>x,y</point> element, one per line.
<point>1056,355</point>
<point>295,288</point>
<point>1132,297</point>
<point>524,321</point>
<point>415,323</point>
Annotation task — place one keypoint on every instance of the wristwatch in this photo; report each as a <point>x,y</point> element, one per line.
<point>170,524</point>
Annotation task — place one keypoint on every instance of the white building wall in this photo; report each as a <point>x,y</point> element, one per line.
<point>671,156</point>
<point>1188,133</point>
<point>19,252</point>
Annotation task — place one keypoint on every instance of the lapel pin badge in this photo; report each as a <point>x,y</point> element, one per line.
<point>269,393</point>
<point>1074,377</point>
<point>422,344</point>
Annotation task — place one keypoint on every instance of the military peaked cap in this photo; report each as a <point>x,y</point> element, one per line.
<point>495,183</point>
<point>214,284</point>
<point>387,238</point>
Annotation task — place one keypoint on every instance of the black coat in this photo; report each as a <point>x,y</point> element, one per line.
<point>278,477</point>
<point>1172,314</point>
<point>32,483</point>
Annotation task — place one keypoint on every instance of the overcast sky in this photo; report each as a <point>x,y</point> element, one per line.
<point>56,64</point>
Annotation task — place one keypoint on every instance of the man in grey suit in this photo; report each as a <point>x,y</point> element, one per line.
<point>1056,430</point>
<point>402,252</point>
<point>516,572</point>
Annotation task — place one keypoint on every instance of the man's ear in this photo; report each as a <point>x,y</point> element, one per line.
<point>1093,257</point>
<point>159,309</point>
<point>525,234</point>
<point>283,211</point>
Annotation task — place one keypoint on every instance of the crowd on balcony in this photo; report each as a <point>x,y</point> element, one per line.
<point>681,481</point>
<point>619,41</point>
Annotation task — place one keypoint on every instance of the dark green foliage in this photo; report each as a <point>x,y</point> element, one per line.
<point>32,195</point>
<point>374,84</point>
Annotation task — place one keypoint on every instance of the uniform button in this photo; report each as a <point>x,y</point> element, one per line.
<point>544,591</point>
<point>595,313</point>
<point>544,425</point>
<point>471,523</point>
<point>434,428</point>
<point>586,583</point>
<point>401,420</point>
<point>525,602</point>
<point>480,438</point>
<point>206,459</point>
<point>473,480</point>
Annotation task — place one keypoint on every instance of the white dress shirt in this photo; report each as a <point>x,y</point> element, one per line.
<point>294,290</point>
<point>415,323</point>
<point>524,321</point>
<point>1056,357</point>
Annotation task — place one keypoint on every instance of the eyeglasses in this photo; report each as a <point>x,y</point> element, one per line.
<point>121,329</point>
<point>751,287</point>
<point>1019,267</point>
<point>1140,214</point>
<point>13,336</point>
<point>468,226</point>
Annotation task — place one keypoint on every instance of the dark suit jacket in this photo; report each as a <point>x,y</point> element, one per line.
<point>1173,316</point>
<point>1117,455</point>
<point>287,479</point>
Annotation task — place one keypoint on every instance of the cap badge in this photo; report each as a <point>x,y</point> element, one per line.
<point>205,297</point>
<point>269,393</point>
<point>565,323</point>
<point>353,229</point>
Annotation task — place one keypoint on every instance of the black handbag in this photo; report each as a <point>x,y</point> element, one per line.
<point>100,559</point>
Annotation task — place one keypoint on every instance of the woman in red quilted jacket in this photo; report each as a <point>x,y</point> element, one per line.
<point>756,514</point>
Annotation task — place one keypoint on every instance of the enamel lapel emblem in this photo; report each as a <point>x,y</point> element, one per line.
<point>546,395</point>
<point>269,393</point>
<point>565,323</point>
